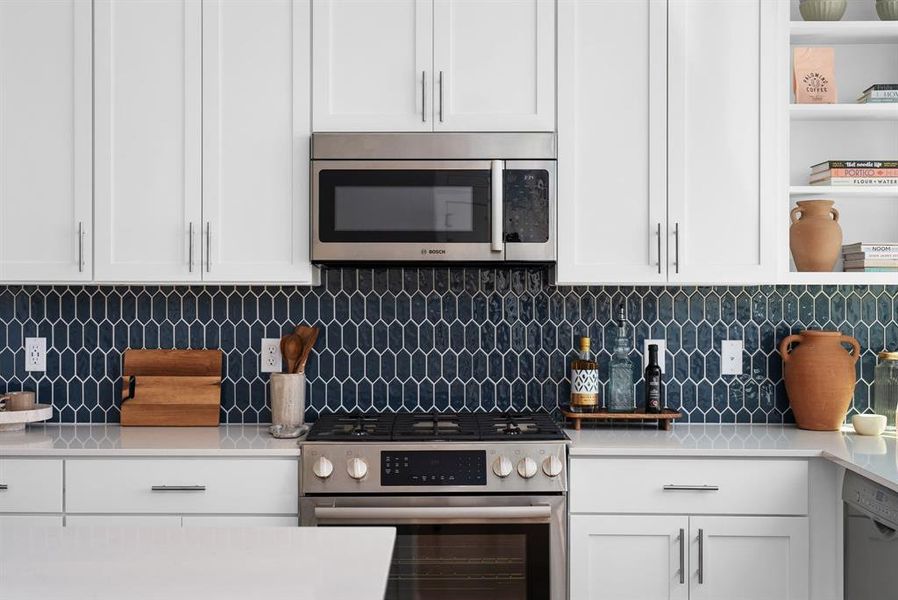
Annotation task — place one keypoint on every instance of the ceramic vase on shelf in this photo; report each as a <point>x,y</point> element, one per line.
<point>887,10</point>
<point>822,10</point>
<point>815,236</point>
<point>820,377</point>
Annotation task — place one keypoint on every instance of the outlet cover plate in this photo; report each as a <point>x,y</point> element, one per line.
<point>35,354</point>
<point>272,361</point>
<point>662,354</point>
<point>731,357</point>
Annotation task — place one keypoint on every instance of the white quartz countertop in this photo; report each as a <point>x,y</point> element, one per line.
<point>301,563</point>
<point>871,457</point>
<point>114,440</point>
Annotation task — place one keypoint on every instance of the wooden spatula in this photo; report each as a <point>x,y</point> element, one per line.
<point>291,350</point>
<point>308,335</point>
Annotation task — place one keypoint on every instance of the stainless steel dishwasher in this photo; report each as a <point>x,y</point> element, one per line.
<point>871,541</point>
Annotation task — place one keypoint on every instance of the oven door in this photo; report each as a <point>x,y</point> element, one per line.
<point>371,211</point>
<point>472,547</point>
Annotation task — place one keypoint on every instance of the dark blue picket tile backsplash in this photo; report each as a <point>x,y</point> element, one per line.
<point>434,339</point>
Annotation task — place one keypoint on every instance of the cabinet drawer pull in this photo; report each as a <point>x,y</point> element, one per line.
<point>3,487</point>
<point>423,97</point>
<point>677,247</point>
<point>80,246</point>
<point>658,235</point>
<point>682,556</point>
<point>701,556</point>
<point>178,488</point>
<point>441,96</point>
<point>670,487</point>
<point>208,247</point>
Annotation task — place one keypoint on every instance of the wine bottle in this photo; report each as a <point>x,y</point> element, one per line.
<point>653,382</point>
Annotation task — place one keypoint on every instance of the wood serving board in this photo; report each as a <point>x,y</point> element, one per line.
<point>664,418</point>
<point>171,388</point>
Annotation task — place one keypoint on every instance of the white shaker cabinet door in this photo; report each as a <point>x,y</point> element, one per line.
<point>748,558</point>
<point>148,153</point>
<point>723,109</point>
<point>494,65</point>
<point>612,85</point>
<point>629,557</point>
<point>45,140</point>
<point>372,65</point>
<point>256,128</point>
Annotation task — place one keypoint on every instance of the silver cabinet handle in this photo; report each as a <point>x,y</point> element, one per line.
<point>3,487</point>
<point>423,97</point>
<point>682,556</point>
<point>392,514</point>
<point>441,96</point>
<point>80,246</point>
<point>701,556</point>
<point>190,246</point>
<point>658,234</point>
<point>670,487</point>
<point>208,246</point>
<point>677,247</point>
<point>178,488</point>
<point>497,180</point>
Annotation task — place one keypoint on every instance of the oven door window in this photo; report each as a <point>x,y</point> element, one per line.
<point>440,206</point>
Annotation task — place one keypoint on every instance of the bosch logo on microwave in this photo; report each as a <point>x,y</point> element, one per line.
<point>432,251</point>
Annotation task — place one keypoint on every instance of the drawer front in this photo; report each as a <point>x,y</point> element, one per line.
<point>146,521</point>
<point>240,486</point>
<point>30,485</point>
<point>231,521</point>
<point>30,521</point>
<point>689,486</point>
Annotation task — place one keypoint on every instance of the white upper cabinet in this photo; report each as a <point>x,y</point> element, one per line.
<point>494,65</point>
<point>256,128</point>
<point>45,140</point>
<point>148,107</point>
<point>722,159</point>
<point>612,87</point>
<point>372,65</point>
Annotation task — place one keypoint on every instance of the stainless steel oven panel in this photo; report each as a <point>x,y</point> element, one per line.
<point>554,506</point>
<point>341,483</point>
<point>399,146</point>
<point>546,252</point>
<point>387,251</point>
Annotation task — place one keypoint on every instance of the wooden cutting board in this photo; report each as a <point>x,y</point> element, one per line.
<point>171,388</point>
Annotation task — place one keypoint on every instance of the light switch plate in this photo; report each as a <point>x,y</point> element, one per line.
<point>662,354</point>
<point>35,354</point>
<point>272,360</point>
<point>731,357</point>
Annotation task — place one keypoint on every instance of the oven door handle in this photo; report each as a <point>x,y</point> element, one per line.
<point>497,217</point>
<point>392,514</point>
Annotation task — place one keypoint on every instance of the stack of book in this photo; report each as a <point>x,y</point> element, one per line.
<point>870,258</point>
<point>855,172</point>
<point>881,93</point>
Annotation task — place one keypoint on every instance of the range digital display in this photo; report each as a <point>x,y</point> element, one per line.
<point>426,467</point>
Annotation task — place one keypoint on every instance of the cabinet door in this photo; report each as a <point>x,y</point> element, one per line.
<point>628,558</point>
<point>256,127</point>
<point>45,140</point>
<point>748,558</point>
<point>494,65</point>
<point>372,65</point>
<point>612,83</point>
<point>122,521</point>
<point>722,144</point>
<point>147,94</point>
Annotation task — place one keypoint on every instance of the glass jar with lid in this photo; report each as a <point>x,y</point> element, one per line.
<point>885,387</point>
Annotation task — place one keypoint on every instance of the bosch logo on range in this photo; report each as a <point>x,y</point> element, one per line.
<point>432,251</point>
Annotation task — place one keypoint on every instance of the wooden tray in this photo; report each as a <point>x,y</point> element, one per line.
<point>663,418</point>
<point>15,420</point>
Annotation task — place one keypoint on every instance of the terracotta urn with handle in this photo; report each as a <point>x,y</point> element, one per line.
<point>815,236</point>
<point>820,377</point>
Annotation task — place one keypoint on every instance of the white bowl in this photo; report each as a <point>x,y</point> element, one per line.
<point>869,424</point>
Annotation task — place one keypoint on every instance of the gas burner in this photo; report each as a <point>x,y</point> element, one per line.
<point>413,427</point>
<point>352,426</point>
<point>533,426</point>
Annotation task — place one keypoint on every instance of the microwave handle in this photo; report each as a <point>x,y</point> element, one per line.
<point>539,512</point>
<point>497,178</point>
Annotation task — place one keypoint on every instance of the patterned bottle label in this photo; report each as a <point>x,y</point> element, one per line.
<point>584,387</point>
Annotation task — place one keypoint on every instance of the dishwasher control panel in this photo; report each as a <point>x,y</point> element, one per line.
<point>872,498</point>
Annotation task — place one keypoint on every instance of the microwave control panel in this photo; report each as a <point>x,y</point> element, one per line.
<point>432,467</point>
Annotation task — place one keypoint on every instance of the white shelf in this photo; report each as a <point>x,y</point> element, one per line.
<point>860,191</point>
<point>795,278</point>
<point>844,32</point>
<point>844,112</point>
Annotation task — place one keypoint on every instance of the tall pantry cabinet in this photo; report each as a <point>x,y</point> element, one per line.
<point>665,130</point>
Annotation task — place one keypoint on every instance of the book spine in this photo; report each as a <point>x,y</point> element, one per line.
<point>881,86</point>
<point>892,100</point>
<point>859,181</point>
<point>858,248</point>
<point>857,173</point>
<point>854,164</point>
<point>862,256</point>
<point>872,270</point>
<point>865,264</point>
<point>881,94</point>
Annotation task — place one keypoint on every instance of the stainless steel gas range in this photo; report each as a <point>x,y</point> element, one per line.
<point>479,500</point>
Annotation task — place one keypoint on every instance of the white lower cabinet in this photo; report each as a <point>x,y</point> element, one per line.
<point>239,521</point>
<point>30,520</point>
<point>123,521</point>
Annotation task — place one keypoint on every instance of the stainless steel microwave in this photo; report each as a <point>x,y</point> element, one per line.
<point>413,197</point>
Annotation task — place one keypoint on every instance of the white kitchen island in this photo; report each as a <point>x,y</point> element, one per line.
<point>314,563</point>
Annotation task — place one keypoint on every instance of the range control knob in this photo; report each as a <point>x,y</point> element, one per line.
<point>552,466</point>
<point>502,467</point>
<point>322,468</point>
<point>357,468</point>
<point>526,467</point>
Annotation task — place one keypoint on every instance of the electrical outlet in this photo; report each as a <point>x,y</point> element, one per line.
<point>271,355</point>
<point>731,357</point>
<point>662,354</point>
<point>35,354</point>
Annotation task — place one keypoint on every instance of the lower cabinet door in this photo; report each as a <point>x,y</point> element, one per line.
<point>123,521</point>
<point>748,558</point>
<point>30,520</point>
<point>240,521</point>
<point>629,557</point>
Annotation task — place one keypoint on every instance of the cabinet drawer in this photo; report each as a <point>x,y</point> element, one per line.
<point>695,486</point>
<point>30,485</point>
<point>238,486</point>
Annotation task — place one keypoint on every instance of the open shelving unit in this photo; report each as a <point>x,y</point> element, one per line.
<point>866,53</point>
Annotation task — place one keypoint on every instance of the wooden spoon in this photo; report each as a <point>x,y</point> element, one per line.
<point>291,350</point>
<point>308,335</point>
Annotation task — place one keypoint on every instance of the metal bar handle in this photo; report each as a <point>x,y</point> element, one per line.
<point>497,179</point>
<point>671,487</point>
<point>423,97</point>
<point>701,556</point>
<point>538,512</point>
<point>682,556</point>
<point>80,246</point>
<point>208,246</point>
<point>3,487</point>
<point>190,246</point>
<point>658,234</point>
<point>178,488</point>
<point>677,247</point>
<point>441,96</point>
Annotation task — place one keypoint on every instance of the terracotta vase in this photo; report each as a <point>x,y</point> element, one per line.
<point>820,377</point>
<point>815,238</point>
